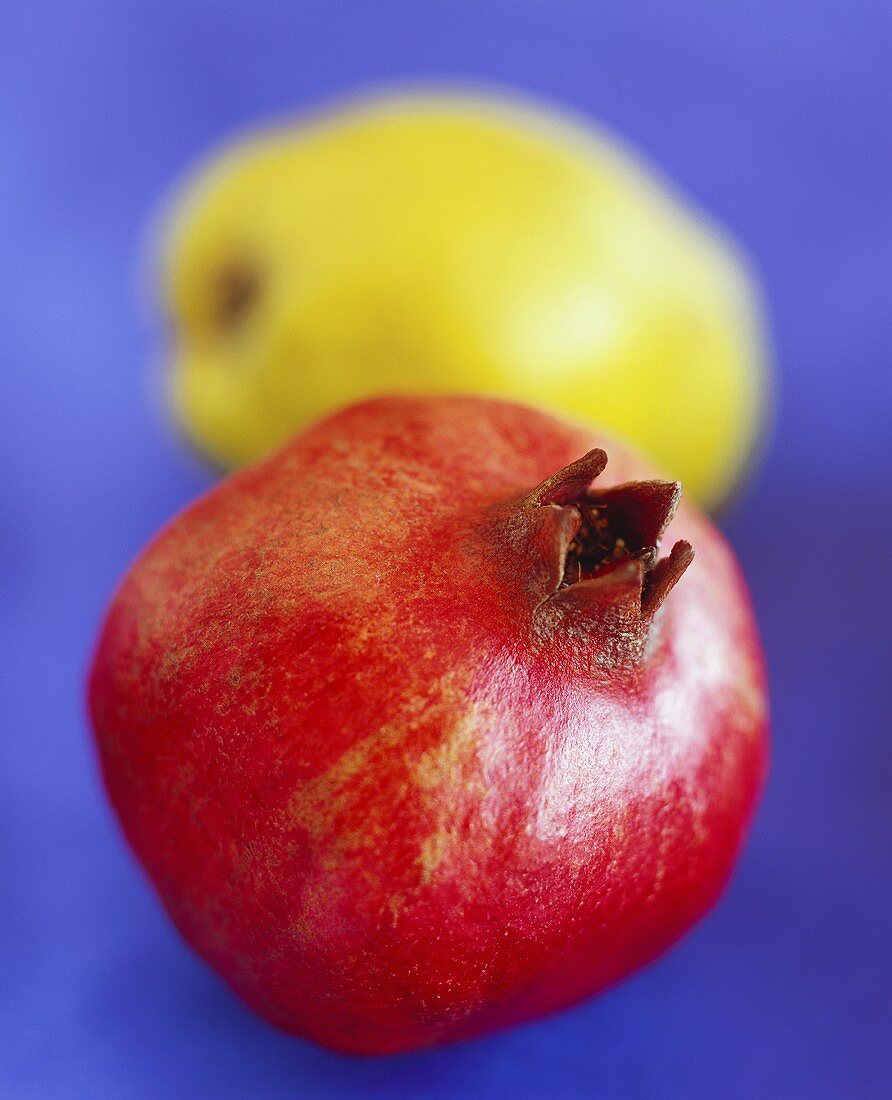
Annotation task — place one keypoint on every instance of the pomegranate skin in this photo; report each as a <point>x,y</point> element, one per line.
<point>400,769</point>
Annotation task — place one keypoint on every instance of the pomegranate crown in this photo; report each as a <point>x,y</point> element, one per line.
<point>608,550</point>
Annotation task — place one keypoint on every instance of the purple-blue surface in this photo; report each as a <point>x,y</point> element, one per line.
<point>776,116</point>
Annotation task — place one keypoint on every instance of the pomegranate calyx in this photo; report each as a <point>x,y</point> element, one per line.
<point>572,482</point>
<point>611,553</point>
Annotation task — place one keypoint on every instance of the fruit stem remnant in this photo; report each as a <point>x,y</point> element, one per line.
<point>236,289</point>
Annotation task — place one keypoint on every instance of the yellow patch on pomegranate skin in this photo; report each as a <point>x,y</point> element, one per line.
<point>433,849</point>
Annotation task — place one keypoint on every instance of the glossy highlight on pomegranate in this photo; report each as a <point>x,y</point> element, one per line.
<point>419,730</point>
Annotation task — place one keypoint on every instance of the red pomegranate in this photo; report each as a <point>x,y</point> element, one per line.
<point>412,736</point>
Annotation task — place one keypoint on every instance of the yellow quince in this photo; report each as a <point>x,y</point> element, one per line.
<point>446,243</point>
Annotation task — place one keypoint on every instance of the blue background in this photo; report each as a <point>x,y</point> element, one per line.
<point>776,116</point>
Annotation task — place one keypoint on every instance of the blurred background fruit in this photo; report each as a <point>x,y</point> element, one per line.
<point>450,243</point>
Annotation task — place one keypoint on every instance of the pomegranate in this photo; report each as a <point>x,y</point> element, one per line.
<point>415,732</point>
